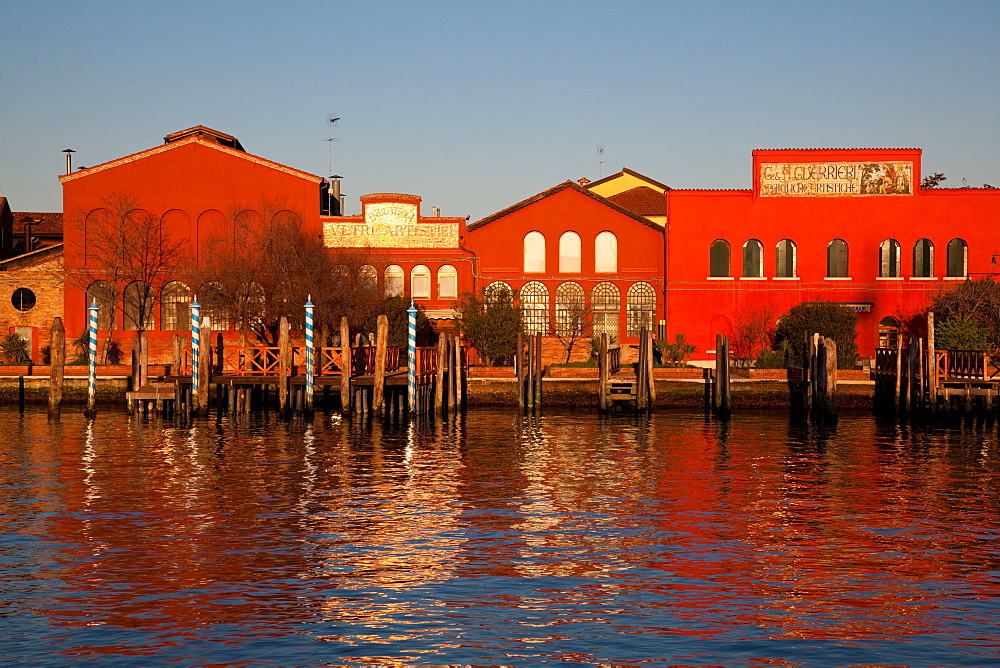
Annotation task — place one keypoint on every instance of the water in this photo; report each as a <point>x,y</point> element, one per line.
<point>498,540</point>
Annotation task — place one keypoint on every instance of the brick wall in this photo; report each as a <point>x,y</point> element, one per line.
<point>45,279</point>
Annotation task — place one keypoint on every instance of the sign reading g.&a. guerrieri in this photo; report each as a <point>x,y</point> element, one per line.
<point>391,225</point>
<point>836,179</point>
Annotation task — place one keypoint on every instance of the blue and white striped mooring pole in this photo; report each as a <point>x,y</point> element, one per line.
<point>92,357</point>
<point>310,354</point>
<point>195,348</point>
<point>411,351</point>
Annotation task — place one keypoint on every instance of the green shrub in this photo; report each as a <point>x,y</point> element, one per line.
<point>958,333</point>
<point>14,349</point>
<point>828,319</point>
<point>676,353</point>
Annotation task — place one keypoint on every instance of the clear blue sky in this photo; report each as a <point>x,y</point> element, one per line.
<point>476,105</point>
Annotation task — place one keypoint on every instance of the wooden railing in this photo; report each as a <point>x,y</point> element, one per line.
<point>614,360</point>
<point>427,365</point>
<point>965,365</point>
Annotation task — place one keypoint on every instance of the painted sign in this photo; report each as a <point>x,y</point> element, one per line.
<point>836,179</point>
<point>862,307</point>
<point>390,225</point>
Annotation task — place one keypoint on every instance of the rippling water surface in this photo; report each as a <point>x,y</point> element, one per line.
<point>498,539</point>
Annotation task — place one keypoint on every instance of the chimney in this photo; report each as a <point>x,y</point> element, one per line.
<point>336,195</point>
<point>69,160</point>
<point>584,181</point>
<point>436,212</point>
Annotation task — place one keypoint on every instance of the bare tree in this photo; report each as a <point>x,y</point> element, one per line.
<point>128,249</point>
<point>266,265</point>
<point>572,317</point>
<point>753,330</point>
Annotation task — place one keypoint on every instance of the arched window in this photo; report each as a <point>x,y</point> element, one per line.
<point>215,304</point>
<point>394,277</point>
<point>100,293</point>
<point>836,259</point>
<point>341,276</point>
<point>888,332</point>
<point>719,259</point>
<point>571,310</point>
<point>753,259</point>
<point>923,259</point>
<point>137,306</point>
<point>367,278</point>
<point>535,306</point>
<point>175,306</point>
<point>888,253</point>
<point>606,253</point>
<point>958,258</point>
<point>785,259</point>
<point>497,292</point>
<point>447,282</point>
<point>640,308</point>
<point>534,253</point>
<point>607,304</point>
<point>570,252</point>
<point>420,282</point>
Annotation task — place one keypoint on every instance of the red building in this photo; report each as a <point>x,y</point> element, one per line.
<point>200,187</point>
<point>845,225</point>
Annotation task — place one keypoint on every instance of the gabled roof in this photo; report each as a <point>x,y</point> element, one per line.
<point>51,223</point>
<point>32,258</point>
<point>208,134</point>
<point>626,170</point>
<point>559,188</point>
<point>185,141</point>
<point>642,200</point>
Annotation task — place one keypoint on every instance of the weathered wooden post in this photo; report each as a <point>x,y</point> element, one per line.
<point>724,400</point>
<point>602,363</point>
<point>897,393</point>
<point>453,381</point>
<point>459,374</point>
<point>346,359</point>
<point>204,368</point>
<point>143,359</point>
<point>310,357</point>
<point>284,364</point>
<point>442,357</point>
<point>519,370</point>
<point>931,364</point>
<point>650,343</point>
<point>57,357</point>
<point>91,410</point>
<point>538,373</point>
<point>641,386</point>
<point>381,351</point>
<point>831,378</point>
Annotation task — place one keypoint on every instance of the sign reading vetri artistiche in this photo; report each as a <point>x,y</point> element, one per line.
<point>391,225</point>
<point>837,179</point>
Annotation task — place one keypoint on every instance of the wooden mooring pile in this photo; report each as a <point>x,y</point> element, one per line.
<point>370,380</point>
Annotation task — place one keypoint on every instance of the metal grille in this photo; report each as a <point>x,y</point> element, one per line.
<point>606,301</point>
<point>570,309</point>
<point>641,304</point>
<point>535,305</point>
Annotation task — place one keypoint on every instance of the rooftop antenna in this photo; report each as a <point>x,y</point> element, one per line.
<point>600,161</point>
<point>331,120</point>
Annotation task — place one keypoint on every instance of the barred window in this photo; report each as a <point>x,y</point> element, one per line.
<point>535,306</point>
<point>641,308</point>
<point>923,259</point>
<point>785,259</point>
<point>888,332</point>
<point>571,313</point>
<point>888,253</point>
<point>215,305</point>
<point>175,306</point>
<point>606,303</point>
<point>367,278</point>
<point>100,293</point>
<point>958,253</point>
<point>497,291</point>
<point>137,306</point>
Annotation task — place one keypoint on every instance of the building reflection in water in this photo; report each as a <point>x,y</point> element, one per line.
<point>433,535</point>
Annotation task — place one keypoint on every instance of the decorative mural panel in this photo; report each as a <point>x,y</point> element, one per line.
<point>391,225</point>
<point>836,179</point>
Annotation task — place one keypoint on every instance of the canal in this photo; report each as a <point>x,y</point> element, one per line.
<point>498,539</point>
